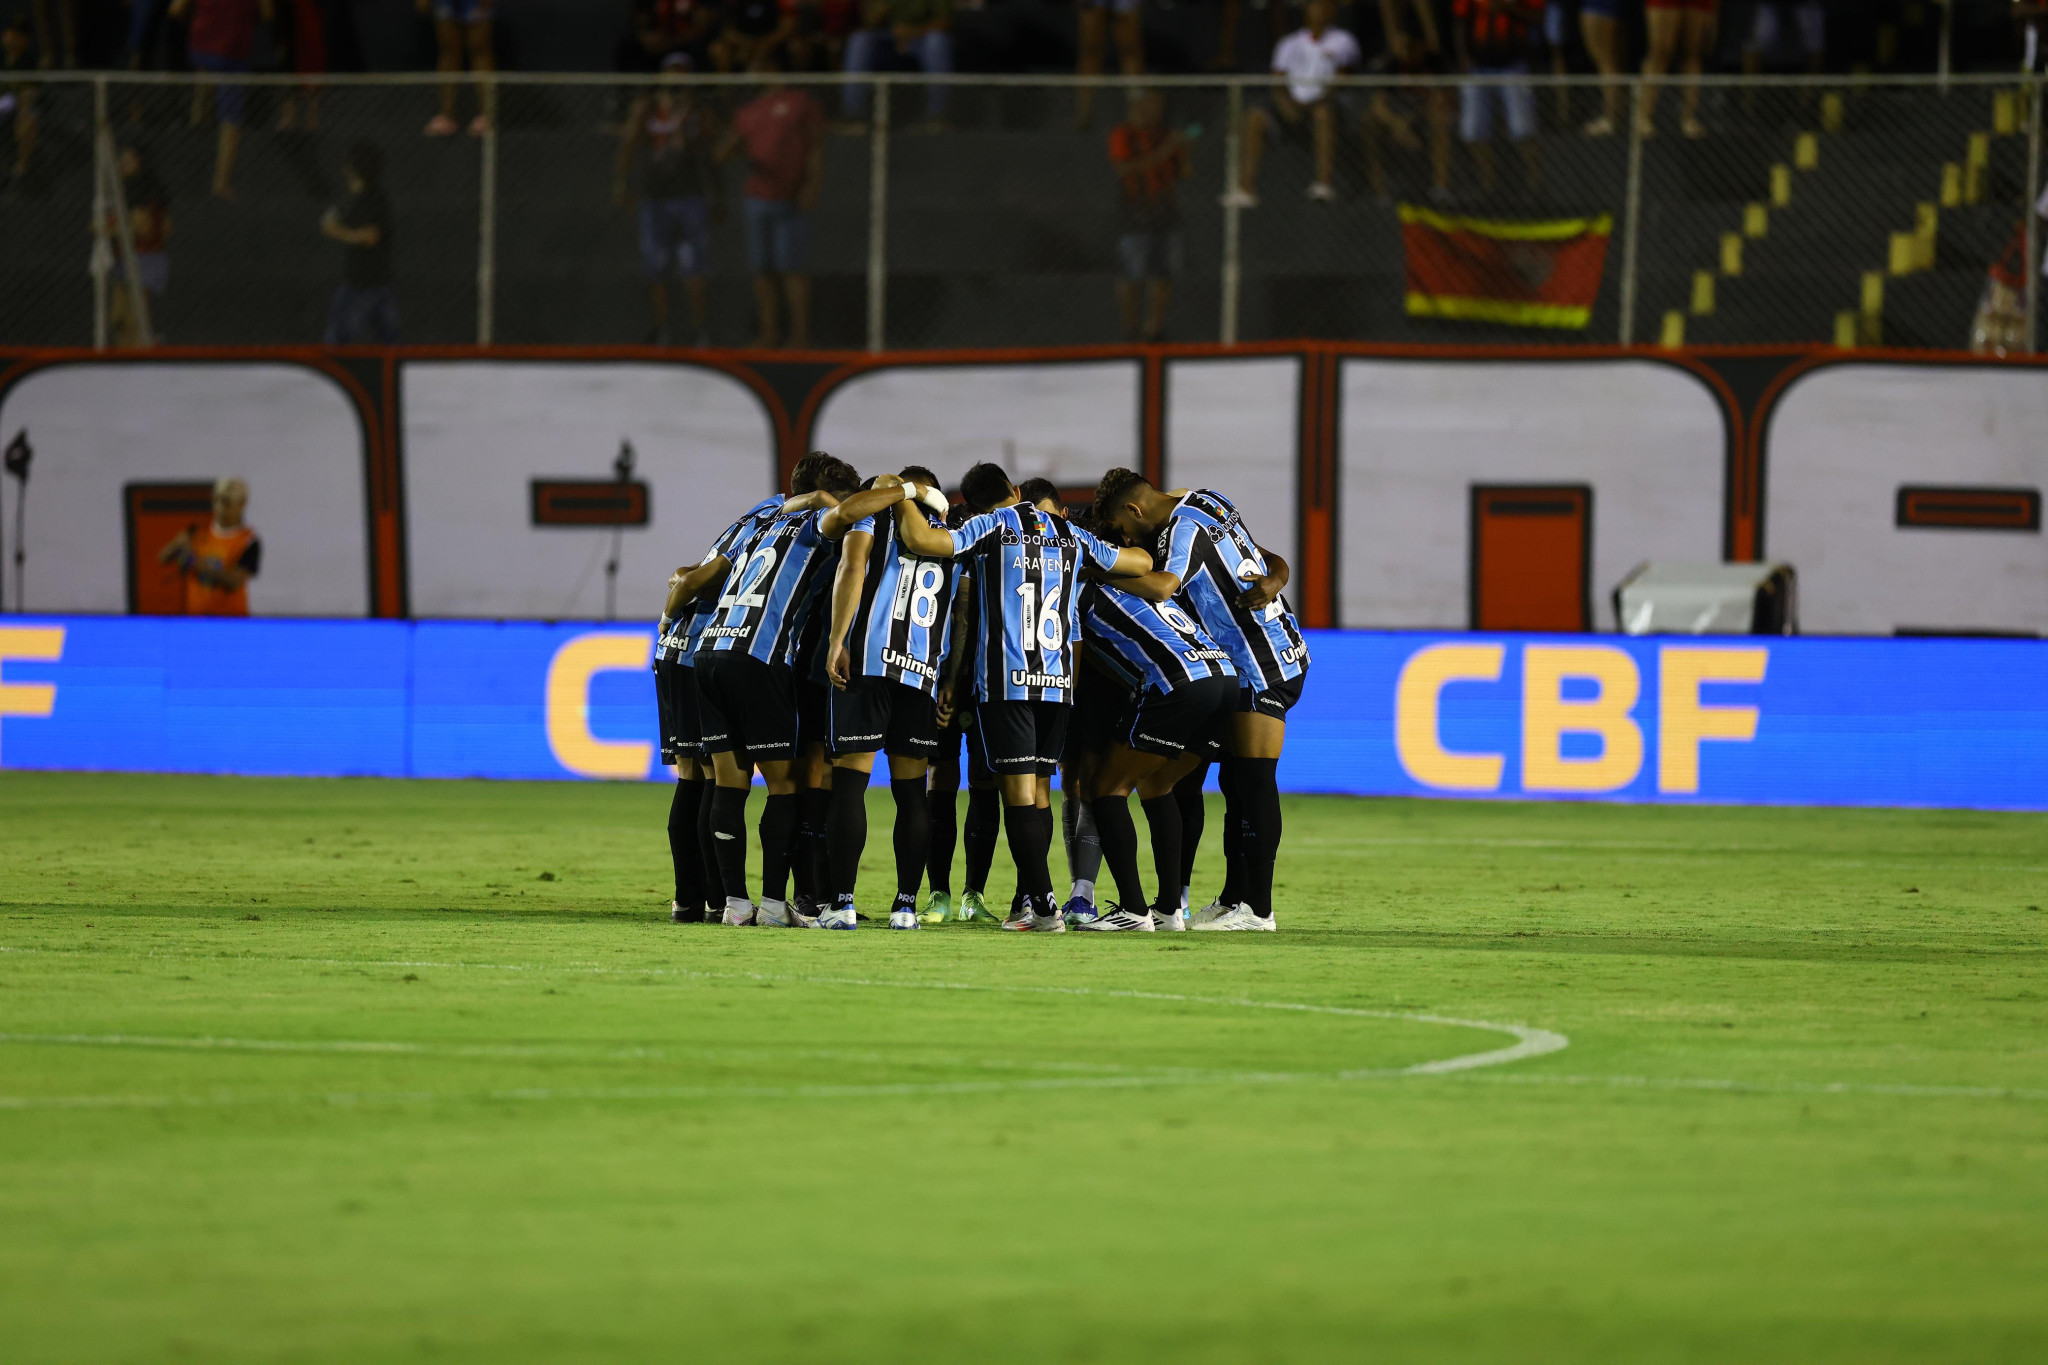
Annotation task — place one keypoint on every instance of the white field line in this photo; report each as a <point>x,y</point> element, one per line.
<point>1528,1042</point>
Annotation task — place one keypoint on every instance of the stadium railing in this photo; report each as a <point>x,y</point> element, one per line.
<point>1850,211</point>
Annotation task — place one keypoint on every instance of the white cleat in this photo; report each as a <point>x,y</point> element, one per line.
<point>773,915</point>
<point>1214,910</point>
<point>1239,199</point>
<point>737,912</point>
<point>1237,920</point>
<point>1174,923</point>
<point>836,917</point>
<point>1030,922</point>
<point>1118,920</point>
<point>903,919</point>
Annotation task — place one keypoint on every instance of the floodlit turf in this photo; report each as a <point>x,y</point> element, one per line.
<point>335,1072</point>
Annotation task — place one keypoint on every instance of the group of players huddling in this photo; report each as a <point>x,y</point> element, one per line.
<point>1128,649</point>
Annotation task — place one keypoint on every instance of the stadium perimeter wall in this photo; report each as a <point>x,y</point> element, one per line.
<point>1913,722</point>
<point>395,482</point>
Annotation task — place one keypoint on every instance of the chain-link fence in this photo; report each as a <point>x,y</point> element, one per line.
<point>991,211</point>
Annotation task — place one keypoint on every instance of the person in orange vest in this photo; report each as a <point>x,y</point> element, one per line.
<point>218,561</point>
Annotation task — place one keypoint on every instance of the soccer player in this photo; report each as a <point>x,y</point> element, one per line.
<point>897,608</point>
<point>1027,571</point>
<point>1184,691</point>
<point>1077,825</point>
<point>682,734</point>
<point>746,679</point>
<point>1231,585</point>
<point>956,725</point>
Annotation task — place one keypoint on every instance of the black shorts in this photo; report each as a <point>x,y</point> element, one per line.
<point>747,708</point>
<point>1102,712</point>
<point>1193,718</point>
<point>1277,700</point>
<point>813,715</point>
<point>881,713</point>
<point>675,696</point>
<point>1022,736</point>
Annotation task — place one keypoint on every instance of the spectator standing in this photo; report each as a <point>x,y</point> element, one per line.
<point>1307,59</point>
<point>1600,30</point>
<point>1679,30</point>
<point>462,26</point>
<point>18,102</point>
<point>1769,36</point>
<point>661,28</point>
<point>217,561</point>
<point>1493,40</point>
<point>900,33</point>
<point>222,37</point>
<point>673,134</point>
<point>781,130</point>
<point>1096,25</point>
<point>750,31</point>
<point>365,305</point>
<point>302,32</point>
<point>1150,162</point>
<point>823,29</point>
<point>1415,47</point>
<point>149,229</point>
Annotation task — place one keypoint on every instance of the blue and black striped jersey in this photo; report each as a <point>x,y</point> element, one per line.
<point>904,621</point>
<point>1028,565</point>
<point>681,636</point>
<point>775,576</point>
<point>1152,645</point>
<point>1205,543</point>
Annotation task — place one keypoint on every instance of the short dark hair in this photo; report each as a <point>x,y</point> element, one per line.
<point>986,485</point>
<point>1115,484</point>
<point>919,473</point>
<point>366,159</point>
<point>957,517</point>
<point>839,479</point>
<point>804,478</point>
<point>1038,490</point>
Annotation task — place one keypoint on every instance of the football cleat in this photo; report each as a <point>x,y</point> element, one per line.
<point>1170,922</point>
<point>1117,920</point>
<point>693,915</point>
<point>938,908</point>
<point>737,912</point>
<point>798,919</point>
<point>772,914</point>
<point>903,919</point>
<point>1026,921</point>
<point>836,917</point>
<point>973,907</point>
<point>1080,912</point>
<point>1215,909</point>
<point>1239,919</point>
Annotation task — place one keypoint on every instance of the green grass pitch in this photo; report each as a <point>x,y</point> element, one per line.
<point>326,1071</point>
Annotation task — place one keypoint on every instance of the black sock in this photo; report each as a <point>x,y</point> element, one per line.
<point>684,855</point>
<point>778,832</point>
<point>1030,840</point>
<point>1162,816</point>
<point>1258,785</point>
<point>984,821</point>
<point>1194,814</point>
<point>942,804</point>
<point>813,878</point>
<point>1048,830</point>
<point>913,837</point>
<point>1233,833</point>
<point>707,848</point>
<point>1120,848</point>
<point>729,837</point>
<point>846,831</point>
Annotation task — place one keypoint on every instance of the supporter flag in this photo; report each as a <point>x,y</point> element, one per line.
<point>1525,272</point>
